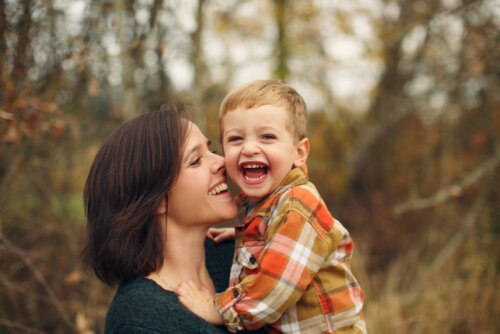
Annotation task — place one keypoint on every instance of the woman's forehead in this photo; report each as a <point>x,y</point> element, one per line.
<point>195,139</point>
<point>194,132</point>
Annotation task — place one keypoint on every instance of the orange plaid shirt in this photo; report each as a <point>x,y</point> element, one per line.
<point>291,267</point>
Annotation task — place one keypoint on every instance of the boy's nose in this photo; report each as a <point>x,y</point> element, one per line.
<point>250,148</point>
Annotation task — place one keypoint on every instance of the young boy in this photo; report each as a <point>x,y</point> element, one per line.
<point>291,268</point>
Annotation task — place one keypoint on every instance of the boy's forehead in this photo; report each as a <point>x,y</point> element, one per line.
<point>246,107</point>
<point>240,110</point>
<point>241,114</point>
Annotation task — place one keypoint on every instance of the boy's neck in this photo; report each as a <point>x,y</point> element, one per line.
<point>252,203</point>
<point>254,200</point>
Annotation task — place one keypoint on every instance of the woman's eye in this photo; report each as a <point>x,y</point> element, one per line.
<point>195,162</point>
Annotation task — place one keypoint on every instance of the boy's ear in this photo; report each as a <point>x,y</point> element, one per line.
<point>162,208</point>
<point>302,152</point>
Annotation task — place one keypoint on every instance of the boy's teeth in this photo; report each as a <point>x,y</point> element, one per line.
<point>254,172</point>
<point>254,178</point>
<point>254,166</point>
<point>220,188</point>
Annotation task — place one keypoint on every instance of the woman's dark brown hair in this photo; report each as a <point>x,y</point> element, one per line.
<point>130,176</point>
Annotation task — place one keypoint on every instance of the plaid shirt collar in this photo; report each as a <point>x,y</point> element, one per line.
<point>297,176</point>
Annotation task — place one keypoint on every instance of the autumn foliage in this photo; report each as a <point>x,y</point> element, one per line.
<point>408,160</point>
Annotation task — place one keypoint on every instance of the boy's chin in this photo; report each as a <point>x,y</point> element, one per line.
<point>255,195</point>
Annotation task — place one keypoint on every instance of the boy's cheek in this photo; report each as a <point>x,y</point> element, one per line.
<point>231,158</point>
<point>233,172</point>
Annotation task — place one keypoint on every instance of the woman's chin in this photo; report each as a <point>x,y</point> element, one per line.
<point>230,213</point>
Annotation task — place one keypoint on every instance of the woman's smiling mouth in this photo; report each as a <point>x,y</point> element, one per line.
<point>218,189</point>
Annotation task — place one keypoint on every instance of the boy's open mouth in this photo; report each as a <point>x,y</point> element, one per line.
<point>253,172</point>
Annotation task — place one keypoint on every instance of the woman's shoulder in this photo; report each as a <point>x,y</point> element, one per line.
<point>218,259</point>
<point>140,292</point>
<point>142,306</point>
<point>138,303</point>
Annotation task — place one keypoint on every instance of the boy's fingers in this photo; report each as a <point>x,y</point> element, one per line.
<point>181,290</point>
<point>186,289</point>
<point>210,234</point>
<point>190,292</point>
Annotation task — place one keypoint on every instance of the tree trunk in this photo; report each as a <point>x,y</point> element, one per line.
<point>3,50</point>
<point>130,103</point>
<point>197,94</point>
<point>281,71</point>
<point>23,42</point>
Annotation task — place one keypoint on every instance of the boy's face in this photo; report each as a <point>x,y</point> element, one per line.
<point>259,149</point>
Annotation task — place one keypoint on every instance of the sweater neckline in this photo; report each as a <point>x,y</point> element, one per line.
<point>156,285</point>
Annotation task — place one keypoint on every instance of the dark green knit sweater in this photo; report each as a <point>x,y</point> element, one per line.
<point>142,306</point>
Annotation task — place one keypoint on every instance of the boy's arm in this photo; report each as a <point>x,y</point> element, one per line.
<point>219,235</point>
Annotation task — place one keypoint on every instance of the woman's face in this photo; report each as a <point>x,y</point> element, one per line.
<point>200,195</point>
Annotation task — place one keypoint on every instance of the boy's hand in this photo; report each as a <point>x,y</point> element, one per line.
<point>199,301</point>
<point>219,235</point>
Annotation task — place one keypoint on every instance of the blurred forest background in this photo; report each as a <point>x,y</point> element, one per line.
<point>404,100</point>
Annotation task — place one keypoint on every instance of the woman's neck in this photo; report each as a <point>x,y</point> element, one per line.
<point>184,259</point>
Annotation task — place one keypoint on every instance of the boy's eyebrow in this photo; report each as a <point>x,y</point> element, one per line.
<point>196,148</point>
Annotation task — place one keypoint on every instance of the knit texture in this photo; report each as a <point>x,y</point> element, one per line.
<point>142,306</point>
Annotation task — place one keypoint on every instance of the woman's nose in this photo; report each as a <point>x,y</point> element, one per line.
<point>219,163</point>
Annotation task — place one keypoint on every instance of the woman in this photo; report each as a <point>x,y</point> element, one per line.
<point>154,189</point>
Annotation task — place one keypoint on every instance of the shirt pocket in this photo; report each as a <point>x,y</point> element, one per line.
<point>249,253</point>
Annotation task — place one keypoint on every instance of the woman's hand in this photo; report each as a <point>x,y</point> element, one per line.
<point>219,235</point>
<point>199,301</point>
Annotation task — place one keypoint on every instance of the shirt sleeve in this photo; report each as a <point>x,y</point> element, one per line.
<point>295,250</point>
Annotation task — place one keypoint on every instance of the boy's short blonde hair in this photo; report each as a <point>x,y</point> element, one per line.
<point>269,92</point>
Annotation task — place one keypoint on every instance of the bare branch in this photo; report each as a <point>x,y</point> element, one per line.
<point>8,246</point>
<point>452,191</point>
<point>16,325</point>
<point>460,234</point>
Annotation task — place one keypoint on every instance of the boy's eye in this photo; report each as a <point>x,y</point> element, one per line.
<point>269,136</point>
<point>233,138</point>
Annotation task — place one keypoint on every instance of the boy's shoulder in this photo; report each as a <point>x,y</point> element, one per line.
<point>299,196</point>
<point>296,189</point>
<point>305,200</point>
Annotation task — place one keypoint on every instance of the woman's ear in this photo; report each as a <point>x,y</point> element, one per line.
<point>302,152</point>
<point>162,208</point>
